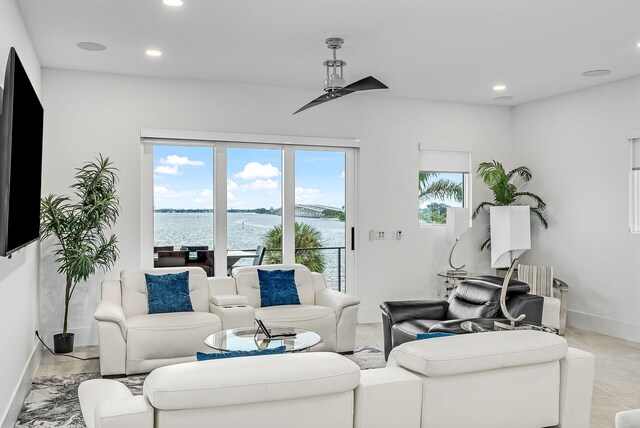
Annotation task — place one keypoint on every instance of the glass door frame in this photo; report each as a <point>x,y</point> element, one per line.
<point>220,143</point>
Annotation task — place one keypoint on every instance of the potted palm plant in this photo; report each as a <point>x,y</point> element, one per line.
<point>503,184</point>
<point>80,226</point>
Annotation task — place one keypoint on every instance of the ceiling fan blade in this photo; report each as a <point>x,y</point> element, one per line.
<point>321,99</point>
<point>364,85</point>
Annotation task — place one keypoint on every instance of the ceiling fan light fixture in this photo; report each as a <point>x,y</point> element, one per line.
<point>334,82</point>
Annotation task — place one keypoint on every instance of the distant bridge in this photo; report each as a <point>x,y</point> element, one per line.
<point>311,211</point>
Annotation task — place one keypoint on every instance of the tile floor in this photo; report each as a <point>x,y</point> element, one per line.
<point>617,380</point>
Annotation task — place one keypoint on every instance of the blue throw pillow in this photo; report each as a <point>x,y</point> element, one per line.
<point>421,336</point>
<point>201,356</point>
<point>168,293</point>
<point>277,287</point>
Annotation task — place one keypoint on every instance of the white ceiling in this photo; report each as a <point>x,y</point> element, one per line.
<point>454,50</point>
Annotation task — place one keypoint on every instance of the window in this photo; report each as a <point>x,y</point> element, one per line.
<point>443,181</point>
<point>226,204</point>
<point>634,211</point>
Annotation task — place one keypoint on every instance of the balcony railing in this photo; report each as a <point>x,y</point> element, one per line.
<point>334,267</point>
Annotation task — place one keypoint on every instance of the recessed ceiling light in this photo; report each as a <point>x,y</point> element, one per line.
<point>638,45</point>
<point>499,88</point>
<point>596,73</point>
<point>91,46</point>
<point>153,52</point>
<point>505,98</point>
<point>173,3</point>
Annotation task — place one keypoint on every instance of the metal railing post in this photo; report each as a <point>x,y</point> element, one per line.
<point>339,270</point>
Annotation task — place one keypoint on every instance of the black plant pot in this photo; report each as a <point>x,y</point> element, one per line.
<point>63,344</point>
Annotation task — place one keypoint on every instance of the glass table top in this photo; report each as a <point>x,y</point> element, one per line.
<point>246,339</point>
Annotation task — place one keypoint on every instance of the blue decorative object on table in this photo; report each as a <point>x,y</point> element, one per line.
<point>277,287</point>
<point>421,336</point>
<point>201,356</point>
<point>168,293</point>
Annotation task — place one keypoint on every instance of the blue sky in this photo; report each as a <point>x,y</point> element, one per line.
<point>183,177</point>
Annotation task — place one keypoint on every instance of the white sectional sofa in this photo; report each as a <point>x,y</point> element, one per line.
<point>524,379</point>
<point>134,341</point>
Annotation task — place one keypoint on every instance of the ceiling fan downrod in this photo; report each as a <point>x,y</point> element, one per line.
<point>334,81</point>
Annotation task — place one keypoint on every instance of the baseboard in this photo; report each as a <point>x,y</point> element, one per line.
<point>616,328</point>
<point>22,389</point>
<point>84,336</point>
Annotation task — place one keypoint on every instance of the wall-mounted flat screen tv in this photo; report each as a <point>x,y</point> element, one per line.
<point>21,123</point>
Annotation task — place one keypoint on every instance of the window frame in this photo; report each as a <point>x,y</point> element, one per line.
<point>439,161</point>
<point>220,143</point>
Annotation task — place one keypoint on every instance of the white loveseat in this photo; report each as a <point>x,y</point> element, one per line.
<point>524,379</point>
<point>134,341</point>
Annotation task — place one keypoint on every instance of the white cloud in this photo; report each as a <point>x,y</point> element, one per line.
<point>168,170</point>
<point>232,185</point>
<point>306,195</point>
<point>342,175</point>
<point>205,197</point>
<point>180,161</point>
<point>172,163</point>
<point>164,191</point>
<point>254,170</point>
<point>230,197</point>
<point>267,184</point>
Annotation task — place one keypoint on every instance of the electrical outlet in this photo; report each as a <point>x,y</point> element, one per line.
<point>376,235</point>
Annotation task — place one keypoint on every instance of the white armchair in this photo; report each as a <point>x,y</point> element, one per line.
<point>329,313</point>
<point>134,341</point>
<point>628,419</point>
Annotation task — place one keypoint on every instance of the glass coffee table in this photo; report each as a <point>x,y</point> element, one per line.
<point>246,339</point>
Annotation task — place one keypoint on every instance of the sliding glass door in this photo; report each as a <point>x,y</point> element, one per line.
<point>183,206</point>
<point>320,213</point>
<point>252,205</point>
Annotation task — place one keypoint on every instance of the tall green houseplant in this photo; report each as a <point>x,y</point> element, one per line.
<point>81,228</point>
<point>506,192</point>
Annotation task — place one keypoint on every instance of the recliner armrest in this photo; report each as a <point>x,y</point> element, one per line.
<point>335,300</point>
<point>130,412</point>
<point>403,310</point>
<point>528,304</point>
<point>110,312</point>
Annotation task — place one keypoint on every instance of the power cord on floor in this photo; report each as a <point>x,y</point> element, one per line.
<point>63,355</point>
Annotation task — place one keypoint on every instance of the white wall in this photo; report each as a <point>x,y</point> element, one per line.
<point>18,275</point>
<point>577,147</point>
<point>90,113</point>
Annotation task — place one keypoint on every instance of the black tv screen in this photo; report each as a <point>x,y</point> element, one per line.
<point>20,159</point>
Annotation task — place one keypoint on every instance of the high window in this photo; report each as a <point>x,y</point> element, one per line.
<point>443,181</point>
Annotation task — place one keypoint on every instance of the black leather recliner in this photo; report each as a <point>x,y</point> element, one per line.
<point>476,297</point>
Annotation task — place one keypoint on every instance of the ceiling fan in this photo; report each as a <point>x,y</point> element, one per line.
<point>335,85</point>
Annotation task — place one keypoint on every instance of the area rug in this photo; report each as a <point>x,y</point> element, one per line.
<point>53,401</point>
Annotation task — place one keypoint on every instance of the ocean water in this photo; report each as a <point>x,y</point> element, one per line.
<point>245,232</point>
